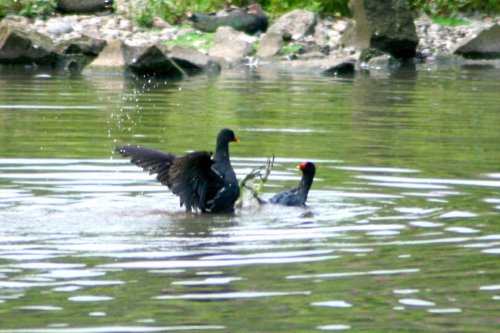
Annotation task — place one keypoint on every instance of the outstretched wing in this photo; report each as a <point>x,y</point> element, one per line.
<point>154,161</point>
<point>193,179</point>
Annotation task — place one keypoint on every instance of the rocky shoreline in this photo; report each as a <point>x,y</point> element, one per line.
<point>319,44</point>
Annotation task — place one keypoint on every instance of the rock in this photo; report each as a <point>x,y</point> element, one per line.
<point>148,60</point>
<point>160,23</point>
<point>84,45</point>
<point>382,62</point>
<point>340,25</point>
<point>270,45</point>
<point>229,46</point>
<point>311,55</point>
<point>84,6</point>
<point>326,66</point>
<point>384,25</point>
<point>226,33</point>
<point>111,56</point>
<point>369,53</point>
<point>157,60</point>
<point>59,28</point>
<point>296,24</point>
<point>19,44</point>
<point>342,67</point>
<point>484,45</point>
<point>231,51</point>
<point>321,32</point>
<point>110,34</point>
<point>124,24</point>
<point>192,61</point>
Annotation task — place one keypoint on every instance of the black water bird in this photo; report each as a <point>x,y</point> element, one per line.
<point>202,182</point>
<point>298,195</point>
<point>251,20</point>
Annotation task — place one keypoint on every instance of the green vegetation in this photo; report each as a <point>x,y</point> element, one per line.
<point>453,7</point>
<point>291,48</point>
<point>193,38</point>
<point>449,21</point>
<point>172,11</point>
<point>28,8</point>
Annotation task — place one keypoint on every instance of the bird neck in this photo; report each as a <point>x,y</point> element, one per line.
<point>222,152</point>
<point>305,184</point>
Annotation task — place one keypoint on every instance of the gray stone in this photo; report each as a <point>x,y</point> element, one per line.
<point>160,23</point>
<point>192,61</point>
<point>311,55</point>
<point>59,28</point>
<point>270,45</point>
<point>157,60</point>
<point>227,33</point>
<point>296,24</point>
<point>84,45</point>
<point>321,32</point>
<point>229,46</point>
<point>149,60</point>
<point>382,62</point>
<point>326,66</point>
<point>231,51</point>
<point>340,68</point>
<point>19,44</point>
<point>484,45</point>
<point>384,25</point>
<point>111,56</point>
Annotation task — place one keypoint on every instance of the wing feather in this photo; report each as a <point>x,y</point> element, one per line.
<point>193,180</point>
<point>154,161</point>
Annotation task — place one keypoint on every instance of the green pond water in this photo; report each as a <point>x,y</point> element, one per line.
<point>401,233</point>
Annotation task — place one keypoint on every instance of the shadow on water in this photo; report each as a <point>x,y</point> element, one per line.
<point>401,221</point>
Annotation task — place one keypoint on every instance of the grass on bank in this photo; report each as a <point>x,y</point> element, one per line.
<point>199,40</point>
<point>449,21</point>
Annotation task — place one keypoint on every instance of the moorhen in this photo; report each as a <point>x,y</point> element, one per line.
<point>251,20</point>
<point>202,182</point>
<point>298,195</point>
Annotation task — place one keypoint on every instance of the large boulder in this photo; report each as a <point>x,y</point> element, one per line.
<point>21,45</point>
<point>484,45</point>
<point>158,60</point>
<point>84,45</point>
<point>111,56</point>
<point>330,66</point>
<point>230,45</point>
<point>150,60</point>
<point>192,61</point>
<point>76,53</point>
<point>270,45</point>
<point>295,24</point>
<point>385,25</point>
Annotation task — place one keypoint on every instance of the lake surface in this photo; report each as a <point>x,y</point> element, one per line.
<point>401,233</point>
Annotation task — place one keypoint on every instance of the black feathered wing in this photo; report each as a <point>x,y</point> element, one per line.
<point>154,161</point>
<point>193,179</point>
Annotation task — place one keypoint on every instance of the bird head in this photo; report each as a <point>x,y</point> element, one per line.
<point>307,167</point>
<point>227,135</point>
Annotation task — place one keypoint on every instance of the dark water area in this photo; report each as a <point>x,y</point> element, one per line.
<point>401,232</point>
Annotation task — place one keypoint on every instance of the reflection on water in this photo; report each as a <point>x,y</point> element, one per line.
<point>401,222</point>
